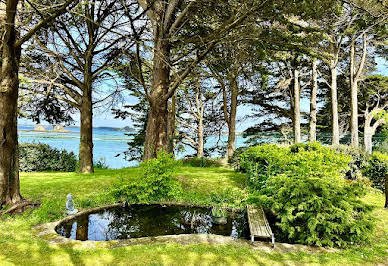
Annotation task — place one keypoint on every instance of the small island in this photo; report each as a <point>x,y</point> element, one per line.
<point>41,128</point>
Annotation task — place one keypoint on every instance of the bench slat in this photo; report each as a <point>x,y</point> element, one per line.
<point>258,223</point>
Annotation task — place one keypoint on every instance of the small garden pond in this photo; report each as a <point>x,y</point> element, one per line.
<point>135,221</point>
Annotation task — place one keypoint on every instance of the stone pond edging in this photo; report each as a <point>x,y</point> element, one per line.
<point>47,232</point>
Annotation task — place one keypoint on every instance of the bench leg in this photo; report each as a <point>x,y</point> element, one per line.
<point>273,240</point>
<point>252,239</point>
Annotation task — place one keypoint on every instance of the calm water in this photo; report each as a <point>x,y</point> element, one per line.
<point>151,220</point>
<point>107,143</point>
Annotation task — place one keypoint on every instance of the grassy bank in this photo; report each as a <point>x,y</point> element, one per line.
<point>19,245</point>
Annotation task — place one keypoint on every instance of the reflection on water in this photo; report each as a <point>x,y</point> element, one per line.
<point>150,220</point>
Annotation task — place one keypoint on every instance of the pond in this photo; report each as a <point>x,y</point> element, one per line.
<point>136,221</point>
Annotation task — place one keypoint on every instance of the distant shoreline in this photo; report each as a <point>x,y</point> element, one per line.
<point>44,131</point>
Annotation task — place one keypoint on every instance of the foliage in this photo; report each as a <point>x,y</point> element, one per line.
<point>313,202</point>
<point>202,162</point>
<point>35,157</point>
<point>377,170</point>
<point>218,212</point>
<point>234,161</point>
<point>359,160</point>
<point>155,182</point>
<point>263,161</point>
<point>100,164</point>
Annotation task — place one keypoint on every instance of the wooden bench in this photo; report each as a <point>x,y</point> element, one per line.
<point>258,224</point>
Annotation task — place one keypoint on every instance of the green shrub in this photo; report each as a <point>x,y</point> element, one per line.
<point>313,202</point>
<point>41,157</point>
<point>377,170</point>
<point>235,160</point>
<point>156,182</point>
<point>260,162</point>
<point>202,162</point>
<point>359,160</point>
<point>100,164</point>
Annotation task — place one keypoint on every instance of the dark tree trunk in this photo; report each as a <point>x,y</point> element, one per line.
<point>386,192</point>
<point>232,120</point>
<point>157,127</point>
<point>86,142</point>
<point>313,104</point>
<point>82,231</point>
<point>156,133</point>
<point>172,125</point>
<point>9,164</point>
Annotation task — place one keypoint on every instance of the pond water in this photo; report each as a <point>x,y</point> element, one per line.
<point>137,221</point>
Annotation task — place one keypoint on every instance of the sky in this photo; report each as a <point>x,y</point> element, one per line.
<point>103,118</point>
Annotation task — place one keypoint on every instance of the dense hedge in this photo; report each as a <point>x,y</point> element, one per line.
<point>41,157</point>
<point>377,170</point>
<point>202,162</point>
<point>359,160</point>
<point>304,186</point>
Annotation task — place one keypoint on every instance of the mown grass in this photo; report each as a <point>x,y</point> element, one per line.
<point>20,246</point>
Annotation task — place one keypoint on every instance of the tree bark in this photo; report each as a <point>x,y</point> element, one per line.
<point>368,139</point>
<point>334,105</point>
<point>313,103</point>
<point>386,192</point>
<point>200,137</point>
<point>353,100</point>
<point>9,90</point>
<point>232,119</point>
<point>86,141</point>
<point>172,125</point>
<point>156,134</point>
<point>297,132</point>
<point>354,78</point>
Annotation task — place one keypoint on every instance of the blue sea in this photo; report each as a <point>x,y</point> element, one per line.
<point>108,143</point>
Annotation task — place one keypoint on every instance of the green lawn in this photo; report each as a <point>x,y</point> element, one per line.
<point>19,245</point>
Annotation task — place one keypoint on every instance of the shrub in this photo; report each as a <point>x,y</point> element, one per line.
<point>312,201</point>
<point>100,164</point>
<point>377,170</point>
<point>41,157</point>
<point>155,183</point>
<point>235,160</point>
<point>359,160</point>
<point>202,162</point>
<point>261,162</point>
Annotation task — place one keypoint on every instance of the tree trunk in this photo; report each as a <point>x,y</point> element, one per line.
<point>200,138</point>
<point>368,134</point>
<point>297,132</point>
<point>313,103</point>
<point>86,142</point>
<point>232,120</point>
<point>334,105</point>
<point>9,90</point>
<point>172,125</point>
<point>353,100</point>
<point>386,192</point>
<point>156,134</point>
